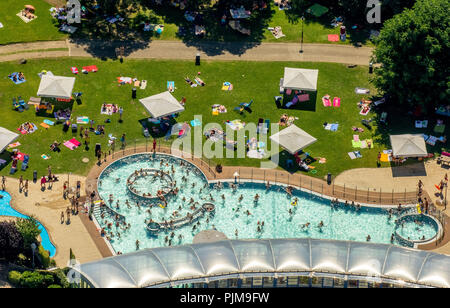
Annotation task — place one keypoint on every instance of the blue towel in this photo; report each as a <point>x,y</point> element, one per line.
<point>48,122</point>
<point>334,127</point>
<point>196,122</point>
<point>17,80</point>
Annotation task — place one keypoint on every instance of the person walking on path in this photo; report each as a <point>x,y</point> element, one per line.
<point>43,181</point>
<point>379,159</point>
<point>123,140</point>
<point>62,217</point>
<point>26,187</point>
<point>154,145</point>
<point>120,114</point>
<point>49,169</point>
<point>20,183</point>
<point>3,182</point>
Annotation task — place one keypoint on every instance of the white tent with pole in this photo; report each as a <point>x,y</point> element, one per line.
<point>6,138</point>
<point>56,87</point>
<point>162,104</point>
<point>408,145</point>
<point>293,139</point>
<point>300,79</point>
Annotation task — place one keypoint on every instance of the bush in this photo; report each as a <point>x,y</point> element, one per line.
<point>44,256</point>
<point>32,280</point>
<point>11,241</point>
<point>54,286</point>
<point>29,228</point>
<point>14,277</point>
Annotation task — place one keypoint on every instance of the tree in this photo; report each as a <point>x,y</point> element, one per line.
<point>29,229</point>
<point>11,241</point>
<point>412,49</point>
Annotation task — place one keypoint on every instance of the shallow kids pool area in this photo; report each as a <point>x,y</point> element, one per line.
<point>7,210</point>
<point>246,210</point>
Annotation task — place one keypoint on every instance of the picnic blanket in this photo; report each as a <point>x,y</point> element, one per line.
<point>386,157</point>
<point>216,109</point>
<point>196,122</point>
<point>326,101</point>
<point>20,156</point>
<point>336,102</point>
<point>354,154</point>
<point>277,32</point>
<point>48,122</point>
<point>333,38</point>
<point>14,145</point>
<point>90,69</point>
<point>362,112</point>
<point>128,80</point>
<point>44,125</point>
<point>16,74</point>
<point>74,70</point>
<point>226,86</point>
<point>235,124</point>
<point>439,128</point>
<point>24,18</point>
<point>331,126</point>
<point>143,84</point>
<point>72,144</point>
<point>82,120</point>
<point>109,109</point>
<point>32,130</point>
<point>258,154</point>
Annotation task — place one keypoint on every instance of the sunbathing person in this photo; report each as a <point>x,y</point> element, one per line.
<point>190,82</point>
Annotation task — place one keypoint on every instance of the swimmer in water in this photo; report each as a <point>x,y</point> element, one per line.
<point>320,224</point>
<point>368,238</point>
<point>256,198</point>
<point>236,232</point>
<point>305,225</point>
<point>223,197</point>
<point>241,197</point>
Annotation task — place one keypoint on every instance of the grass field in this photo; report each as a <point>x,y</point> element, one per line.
<point>44,28</point>
<point>251,80</point>
<point>17,31</point>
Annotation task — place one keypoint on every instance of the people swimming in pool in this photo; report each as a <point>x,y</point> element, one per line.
<point>305,225</point>
<point>320,225</point>
<point>368,238</point>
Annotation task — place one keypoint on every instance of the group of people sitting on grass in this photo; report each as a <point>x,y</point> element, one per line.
<point>17,77</point>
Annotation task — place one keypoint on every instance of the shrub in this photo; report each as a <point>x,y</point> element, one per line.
<point>11,241</point>
<point>44,256</point>
<point>29,228</point>
<point>54,286</point>
<point>32,280</point>
<point>14,277</point>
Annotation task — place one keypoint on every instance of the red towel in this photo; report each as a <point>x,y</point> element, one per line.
<point>333,37</point>
<point>75,142</point>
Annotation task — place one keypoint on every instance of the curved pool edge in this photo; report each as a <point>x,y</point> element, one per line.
<point>93,178</point>
<point>47,230</point>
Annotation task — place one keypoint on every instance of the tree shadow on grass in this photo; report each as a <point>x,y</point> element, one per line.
<point>218,38</point>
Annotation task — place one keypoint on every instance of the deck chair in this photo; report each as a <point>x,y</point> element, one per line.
<point>246,105</point>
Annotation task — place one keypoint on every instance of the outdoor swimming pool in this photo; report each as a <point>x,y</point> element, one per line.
<point>7,210</point>
<point>235,210</point>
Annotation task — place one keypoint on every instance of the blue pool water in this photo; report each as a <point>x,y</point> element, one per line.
<point>274,208</point>
<point>7,210</point>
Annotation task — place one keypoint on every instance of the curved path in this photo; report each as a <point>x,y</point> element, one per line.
<point>179,50</point>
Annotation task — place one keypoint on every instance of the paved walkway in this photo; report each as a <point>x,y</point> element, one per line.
<point>208,51</point>
<point>46,206</point>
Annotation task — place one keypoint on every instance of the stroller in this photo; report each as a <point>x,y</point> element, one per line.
<point>26,159</point>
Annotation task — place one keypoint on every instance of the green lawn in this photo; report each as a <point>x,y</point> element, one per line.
<point>44,28</point>
<point>16,31</point>
<point>252,80</point>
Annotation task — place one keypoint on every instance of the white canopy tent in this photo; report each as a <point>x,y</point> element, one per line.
<point>408,145</point>
<point>162,104</point>
<point>6,137</point>
<point>56,86</point>
<point>300,79</point>
<point>293,139</point>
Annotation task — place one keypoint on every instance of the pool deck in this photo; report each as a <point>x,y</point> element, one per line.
<point>317,186</point>
<point>46,207</point>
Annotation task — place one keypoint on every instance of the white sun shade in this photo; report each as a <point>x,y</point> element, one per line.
<point>408,145</point>
<point>300,79</point>
<point>162,104</point>
<point>6,137</point>
<point>293,139</point>
<point>56,86</point>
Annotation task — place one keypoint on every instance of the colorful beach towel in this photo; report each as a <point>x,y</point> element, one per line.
<point>82,120</point>
<point>46,126</point>
<point>122,80</point>
<point>226,86</point>
<point>24,132</point>
<point>196,122</point>
<point>48,122</point>
<point>171,86</point>
<point>336,102</point>
<point>333,38</point>
<point>235,124</point>
<point>326,101</point>
<point>74,70</point>
<point>14,145</point>
<point>45,157</point>
<point>15,74</point>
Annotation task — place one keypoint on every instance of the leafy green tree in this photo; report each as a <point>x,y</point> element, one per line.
<point>413,49</point>
<point>11,241</point>
<point>29,229</point>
